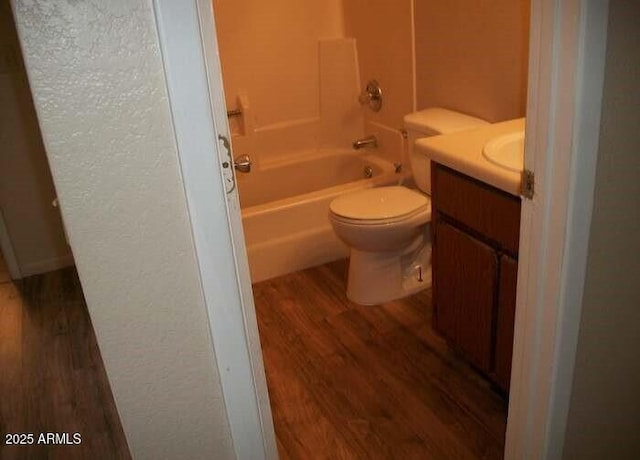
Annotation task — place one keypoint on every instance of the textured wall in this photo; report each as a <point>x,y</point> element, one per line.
<point>99,89</point>
<point>604,415</point>
<point>472,56</point>
<point>26,188</point>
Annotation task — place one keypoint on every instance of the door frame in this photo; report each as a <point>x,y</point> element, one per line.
<point>186,32</point>
<point>566,75</point>
<point>566,68</point>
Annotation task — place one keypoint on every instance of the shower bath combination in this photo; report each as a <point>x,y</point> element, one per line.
<point>297,146</point>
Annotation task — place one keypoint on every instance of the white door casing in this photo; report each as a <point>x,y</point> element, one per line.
<point>192,68</point>
<point>566,74</point>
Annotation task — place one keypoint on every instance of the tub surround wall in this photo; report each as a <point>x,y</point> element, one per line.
<point>341,117</point>
<point>33,225</point>
<point>269,51</point>
<point>337,122</point>
<point>279,70</point>
<point>472,56</point>
<point>292,79</point>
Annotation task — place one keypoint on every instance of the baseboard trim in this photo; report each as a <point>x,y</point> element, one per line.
<point>47,265</point>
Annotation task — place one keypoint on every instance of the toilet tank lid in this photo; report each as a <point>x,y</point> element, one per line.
<point>441,121</point>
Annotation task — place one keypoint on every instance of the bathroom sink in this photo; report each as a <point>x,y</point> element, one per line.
<point>506,151</point>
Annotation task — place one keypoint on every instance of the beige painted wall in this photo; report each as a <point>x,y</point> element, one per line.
<point>472,56</point>
<point>604,415</point>
<point>26,188</point>
<point>99,89</point>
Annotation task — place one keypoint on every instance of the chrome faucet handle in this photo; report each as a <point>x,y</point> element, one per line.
<point>372,95</point>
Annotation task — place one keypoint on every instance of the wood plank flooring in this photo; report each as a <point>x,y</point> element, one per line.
<point>345,381</point>
<point>51,374</point>
<point>354,382</point>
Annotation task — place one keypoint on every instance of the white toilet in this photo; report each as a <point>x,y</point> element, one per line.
<point>386,227</point>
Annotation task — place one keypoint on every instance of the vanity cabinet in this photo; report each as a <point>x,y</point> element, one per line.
<point>475,232</point>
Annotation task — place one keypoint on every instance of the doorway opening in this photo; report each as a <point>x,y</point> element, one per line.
<point>292,97</point>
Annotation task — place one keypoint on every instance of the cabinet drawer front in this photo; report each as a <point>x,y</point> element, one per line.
<point>485,209</point>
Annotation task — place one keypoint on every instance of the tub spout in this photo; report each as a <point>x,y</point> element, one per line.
<point>366,141</point>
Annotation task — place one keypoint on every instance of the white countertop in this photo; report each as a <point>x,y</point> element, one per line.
<point>462,151</point>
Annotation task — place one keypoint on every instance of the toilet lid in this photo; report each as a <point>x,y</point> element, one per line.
<point>379,203</point>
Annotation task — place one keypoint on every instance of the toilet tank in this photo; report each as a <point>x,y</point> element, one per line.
<point>433,122</point>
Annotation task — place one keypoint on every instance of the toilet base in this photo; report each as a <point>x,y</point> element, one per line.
<point>378,277</point>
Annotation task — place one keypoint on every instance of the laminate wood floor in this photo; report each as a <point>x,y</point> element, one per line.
<point>51,374</point>
<point>354,382</point>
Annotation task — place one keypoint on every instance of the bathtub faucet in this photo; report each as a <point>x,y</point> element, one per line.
<point>369,140</point>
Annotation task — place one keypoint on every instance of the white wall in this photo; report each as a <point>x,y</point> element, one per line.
<point>604,415</point>
<point>99,89</point>
<point>26,189</point>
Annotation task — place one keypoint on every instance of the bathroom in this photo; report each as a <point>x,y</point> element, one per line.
<point>288,112</point>
<point>174,313</point>
<point>294,109</point>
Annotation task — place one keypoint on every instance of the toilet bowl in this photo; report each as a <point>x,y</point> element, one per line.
<point>384,228</point>
<point>387,228</point>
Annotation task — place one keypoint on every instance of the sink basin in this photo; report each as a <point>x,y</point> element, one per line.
<point>506,151</point>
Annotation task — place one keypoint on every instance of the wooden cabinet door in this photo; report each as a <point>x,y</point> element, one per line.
<point>465,277</point>
<point>506,316</point>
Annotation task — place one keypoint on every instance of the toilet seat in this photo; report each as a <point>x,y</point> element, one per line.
<point>422,214</point>
<point>380,205</point>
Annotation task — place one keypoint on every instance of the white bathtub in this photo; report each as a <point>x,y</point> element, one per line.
<point>285,207</point>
